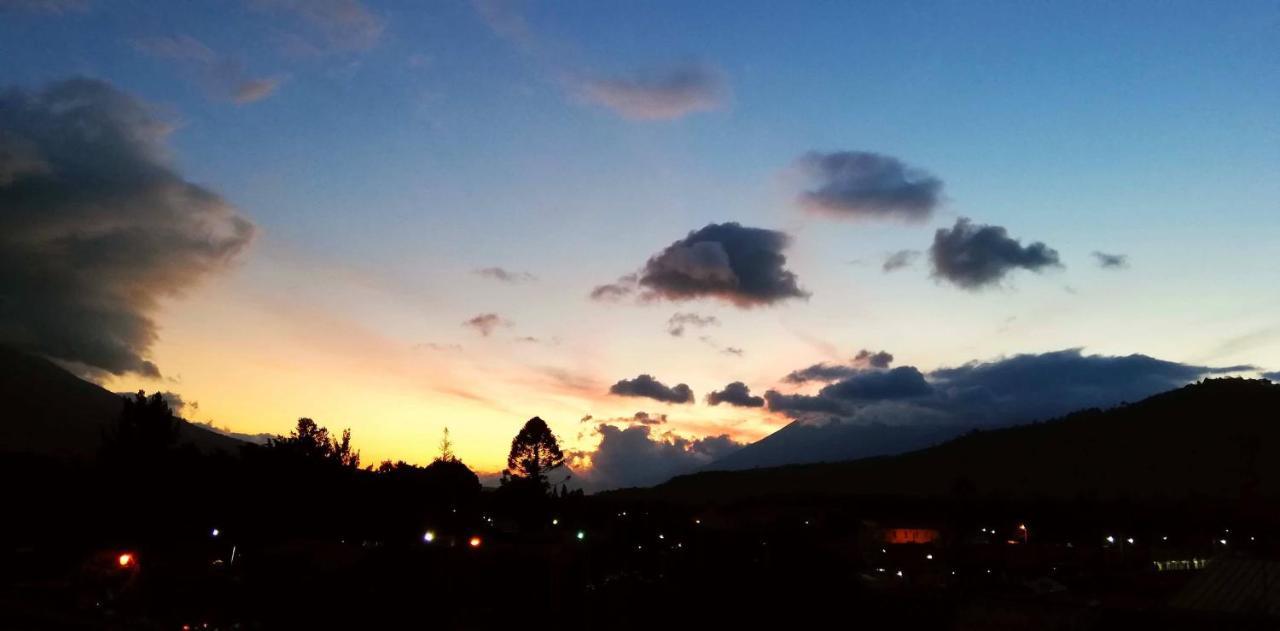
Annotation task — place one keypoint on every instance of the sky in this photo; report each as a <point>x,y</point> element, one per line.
<point>401,216</point>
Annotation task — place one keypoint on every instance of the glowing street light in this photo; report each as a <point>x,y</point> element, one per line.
<point>428,536</point>
<point>1111,539</point>
<point>555,522</point>
<point>125,560</point>
<point>474,542</point>
<point>215,532</point>
<point>581,535</point>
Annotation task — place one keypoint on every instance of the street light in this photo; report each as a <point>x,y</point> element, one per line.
<point>428,536</point>
<point>125,560</point>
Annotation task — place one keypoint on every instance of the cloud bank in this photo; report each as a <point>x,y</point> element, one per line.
<point>1015,389</point>
<point>634,456</point>
<point>98,226</point>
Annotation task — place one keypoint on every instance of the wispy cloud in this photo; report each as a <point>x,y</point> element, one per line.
<point>660,94</point>
<point>505,275</point>
<point>328,25</point>
<point>221,76</point>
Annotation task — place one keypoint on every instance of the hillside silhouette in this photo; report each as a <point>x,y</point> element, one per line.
<point>49,411</point>
<point>1217,440</point>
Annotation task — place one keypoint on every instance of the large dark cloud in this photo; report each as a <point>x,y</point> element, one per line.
<point>744,266</point>
<point>1014,389</point>
<point>868,185</point>
<point>97,226</point>
<point>903,382</point>
<point>737,394</point>
<point>975,256</point>
<point>875,413</point>
<point>1273,376</point>
<point>662,94</point>
<point>799,405</point>
<point>634,456</point>
<point>647,386</point>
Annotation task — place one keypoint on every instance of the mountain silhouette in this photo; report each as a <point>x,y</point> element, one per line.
<point>1217,440</point>
<point>48,411</point>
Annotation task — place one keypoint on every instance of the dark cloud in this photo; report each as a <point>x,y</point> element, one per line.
<point>744,266</point>
<point>634,456</point>
<point>1111,261</point>
<point>903,382</point>
<point>877,359</point>
<point>97,226</point>
<point>222,77</point>
<point>505,275</point>
<point>976,256</point>
<point>647,386</point>
<point>737,394</point>
<point>486,323</point>
<point>644,418</point>
<point>677,323</point>
<point>801,404</point>
<point>868,185</point>
<point>662,94</point>
<point>328,25</point>
<point>825,373</point>
<point>1008,390</point>
<point>1273,376</point>
<point>613,292</point>
<point>899,260</point>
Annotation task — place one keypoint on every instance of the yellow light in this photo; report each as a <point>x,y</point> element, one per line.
<point>429,536</point>
<point>474,542</point>
<point>125,559</point>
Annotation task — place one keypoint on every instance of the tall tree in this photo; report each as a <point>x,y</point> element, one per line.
<point>534,452</point>
<point>446,448</point>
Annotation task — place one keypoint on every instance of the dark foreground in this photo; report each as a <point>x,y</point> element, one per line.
<point>870,563</point>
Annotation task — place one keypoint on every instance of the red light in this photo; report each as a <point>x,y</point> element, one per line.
<point>474,542</point>
<point>125,560</point>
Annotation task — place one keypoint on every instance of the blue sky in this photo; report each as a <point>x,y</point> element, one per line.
<point>402,145</point>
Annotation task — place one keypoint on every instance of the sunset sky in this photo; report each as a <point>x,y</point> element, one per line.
<point>401,216</point>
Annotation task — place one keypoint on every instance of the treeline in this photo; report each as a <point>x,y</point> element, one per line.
<point>145,487</point>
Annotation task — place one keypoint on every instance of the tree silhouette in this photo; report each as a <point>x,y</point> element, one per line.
<point>310,442</point>
<point>146,426</point>
<point>446,448</point>
<point>534,452</point>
